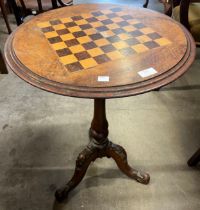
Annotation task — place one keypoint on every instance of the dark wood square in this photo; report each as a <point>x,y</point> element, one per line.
<point>108,48</point>
<point>96,14</point>
<point>63,52</point>
<point>63,31</point>
<point>76,18</point>
<point>54,40</point>
<point>95,36</point>
<point>102,28</point>
<point>123,23</point>
<point>113,39</point>
<point>151,44</point>
<point>89,45</point>
<point>85,26</point>
<point>70,24</point>
<point>139,25</point>
<point>92,19</point>
<point>79,34</point>
<point>154,35</point>
<point>107,22</point>
<point>55,22</point>
<point>82,55</point>
<point>76,66</point>
<point>118,31</point>
<point>47,29</point>
<point>101,58</point>
<point>135,33</point>
<point>72,42</point>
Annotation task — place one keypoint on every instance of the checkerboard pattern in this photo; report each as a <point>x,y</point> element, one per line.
<point>90,39</point>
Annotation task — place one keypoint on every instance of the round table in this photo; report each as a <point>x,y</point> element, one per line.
<point>100,51</point>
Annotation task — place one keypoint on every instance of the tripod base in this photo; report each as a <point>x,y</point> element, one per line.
<point>90,153</point>
<point>99,147</point>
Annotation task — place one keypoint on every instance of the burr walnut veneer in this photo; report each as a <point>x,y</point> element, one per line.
<point>100,51</point>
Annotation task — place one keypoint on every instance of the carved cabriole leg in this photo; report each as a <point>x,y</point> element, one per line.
<point>99,147</point>
<point>83,161</point>
<point>96,148</point>
<point>99,131</point>
<point>119,155</point>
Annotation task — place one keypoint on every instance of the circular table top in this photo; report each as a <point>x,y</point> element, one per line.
<point>100,50</point>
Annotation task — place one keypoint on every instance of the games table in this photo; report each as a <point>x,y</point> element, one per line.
<point>100,51</point>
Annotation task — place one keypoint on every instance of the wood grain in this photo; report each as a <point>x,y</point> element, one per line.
<point>30,56</point>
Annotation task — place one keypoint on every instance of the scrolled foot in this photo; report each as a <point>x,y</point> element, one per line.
<point>140,177</point>
<point>119,155</point>
<point>62,193</point>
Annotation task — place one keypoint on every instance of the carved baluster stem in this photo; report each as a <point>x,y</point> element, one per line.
<point>99,125</point>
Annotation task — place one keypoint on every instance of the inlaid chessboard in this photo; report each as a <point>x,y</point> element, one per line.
<point>90,39</point>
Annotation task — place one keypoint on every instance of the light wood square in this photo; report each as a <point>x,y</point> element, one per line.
<point>58,46</point>
<point>68,59</point>
<point>88,63</point>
